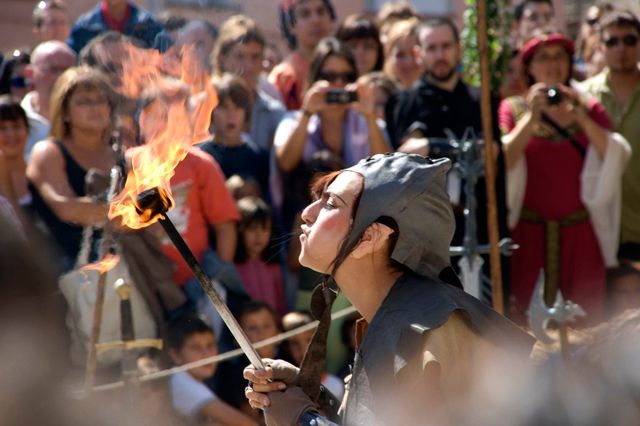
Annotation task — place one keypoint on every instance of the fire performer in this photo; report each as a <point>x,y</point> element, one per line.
<point>381,229</point>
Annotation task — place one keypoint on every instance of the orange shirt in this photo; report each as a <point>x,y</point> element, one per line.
<point>201,199</point>
<point>290,78</point>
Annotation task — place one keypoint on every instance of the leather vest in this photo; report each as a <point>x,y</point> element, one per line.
<point>414,305</point>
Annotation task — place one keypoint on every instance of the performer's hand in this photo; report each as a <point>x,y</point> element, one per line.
<point>275,377</point>
<point>287,407</point>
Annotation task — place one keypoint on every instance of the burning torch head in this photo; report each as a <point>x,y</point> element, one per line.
<point>151,203</point>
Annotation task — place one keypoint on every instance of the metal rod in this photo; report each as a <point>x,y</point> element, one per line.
<point>205,282</point>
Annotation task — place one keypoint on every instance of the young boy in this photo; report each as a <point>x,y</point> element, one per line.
<point>231,147</point>
<point>259,321</point>
<point>191,339</point>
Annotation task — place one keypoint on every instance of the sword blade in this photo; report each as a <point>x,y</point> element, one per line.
<point>218,303</point>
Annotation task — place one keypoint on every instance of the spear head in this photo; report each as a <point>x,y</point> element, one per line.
<point>540,314</point>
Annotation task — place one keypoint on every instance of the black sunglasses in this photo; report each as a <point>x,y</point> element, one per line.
<point>332,77</point>
<point>629,40</point>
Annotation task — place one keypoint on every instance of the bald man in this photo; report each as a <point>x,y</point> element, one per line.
<point>48,61</point>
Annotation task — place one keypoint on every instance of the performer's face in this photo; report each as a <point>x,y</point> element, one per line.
<point>327,222</point>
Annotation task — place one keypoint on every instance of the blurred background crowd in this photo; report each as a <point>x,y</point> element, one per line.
<point>325,92</point>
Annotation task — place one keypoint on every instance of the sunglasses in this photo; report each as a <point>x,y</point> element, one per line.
<point>629,40</point>
<point>332,77</point>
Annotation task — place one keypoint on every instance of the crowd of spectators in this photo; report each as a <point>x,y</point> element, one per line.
<point>567,140</point>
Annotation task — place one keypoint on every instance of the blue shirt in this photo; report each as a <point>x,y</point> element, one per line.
<point>141,25</point>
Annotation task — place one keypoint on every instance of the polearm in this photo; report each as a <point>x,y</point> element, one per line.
<point>152,203</point>
<point>490,174</point>
<point>92,355</point>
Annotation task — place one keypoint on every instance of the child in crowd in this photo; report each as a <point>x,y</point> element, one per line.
<point>241,187</point>
<point>297,347</point>
<point>190,339</point>
<point>256,259</point>
<point>384,88</point>
<point>259,321</point>
<point>623,288</point>
<point>231,146</point>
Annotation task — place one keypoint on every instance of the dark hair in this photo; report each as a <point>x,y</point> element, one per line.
<point>20,56</point>
<point>381,81</point>
<point>235,89</point>
<point>89,53</point>
<point>255,210</point>
<point>10,110</point>
<point>396,11</point>
<point>518,11</point>
<point>360,27</point>
<point>300,318</point>
<point>328,46</point>
<point>438,22</point>
<point>181,328</point>
<point>620,18</point>
<point>288,19</point>
<point>238,29</point>
<point>624,269</point>
<point>43,6</point>
<point>171,22</point>
<point>253,306</point>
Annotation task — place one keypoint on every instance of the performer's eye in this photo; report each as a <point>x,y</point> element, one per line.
<point>328,202</point>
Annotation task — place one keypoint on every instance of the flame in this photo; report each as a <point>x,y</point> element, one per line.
<point>178,117</point>
<point>105,265</point>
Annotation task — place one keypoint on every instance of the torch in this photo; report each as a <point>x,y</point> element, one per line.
<point>153,203</point>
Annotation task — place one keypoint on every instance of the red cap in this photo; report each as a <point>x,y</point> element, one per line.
<point>531,46</point>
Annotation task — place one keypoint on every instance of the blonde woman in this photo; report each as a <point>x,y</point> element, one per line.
<point>81,119</point>
<point>403,63</point>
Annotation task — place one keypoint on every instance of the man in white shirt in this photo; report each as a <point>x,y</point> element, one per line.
<point>48,61</point>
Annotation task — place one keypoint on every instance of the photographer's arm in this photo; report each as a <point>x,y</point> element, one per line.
<point>289,153</point>
<point>377,143</point>
<point>515,142</point>
<point>598,136</point>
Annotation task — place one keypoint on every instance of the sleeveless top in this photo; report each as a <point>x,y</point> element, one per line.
<point>66,236</point>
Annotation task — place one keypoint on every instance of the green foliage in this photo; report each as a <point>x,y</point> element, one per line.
<point>498,28</point>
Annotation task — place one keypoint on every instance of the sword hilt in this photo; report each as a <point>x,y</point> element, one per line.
<point>123,288</point>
